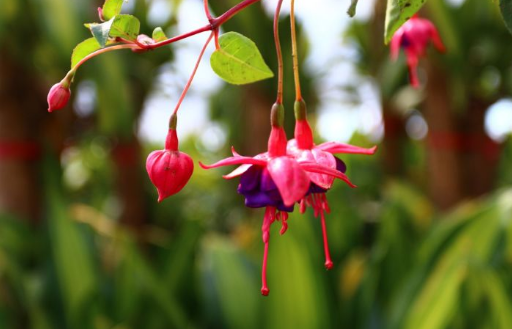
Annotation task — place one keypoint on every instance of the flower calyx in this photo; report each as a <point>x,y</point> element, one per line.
<point>169,169</point>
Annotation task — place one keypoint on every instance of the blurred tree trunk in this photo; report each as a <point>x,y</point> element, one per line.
<point>442,149</point>
<point>20,142</point>
<point>462,159</point>
<point>129,184</point>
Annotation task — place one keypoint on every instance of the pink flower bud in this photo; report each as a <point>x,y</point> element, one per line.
<point>58,97</point>
<point>169,169</point>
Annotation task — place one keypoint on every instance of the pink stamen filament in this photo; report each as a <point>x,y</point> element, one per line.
<point>328,261</point>
<point>264,286</point>
<point>269,217</point>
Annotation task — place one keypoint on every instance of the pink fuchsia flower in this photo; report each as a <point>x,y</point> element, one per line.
<point>169,169</point>
<point>304,150</point>
<point>273,180</point>
<point>58,96</point>
<point>413,37</point>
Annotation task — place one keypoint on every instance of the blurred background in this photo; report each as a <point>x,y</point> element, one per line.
<point>425,241</point>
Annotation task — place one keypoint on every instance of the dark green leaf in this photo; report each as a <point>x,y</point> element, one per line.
<point>352,9</point>
<point>125,26</point>
<point>159,35</point>
<point>111,8</point>
<point>101,31</point>
<point>238,61</point>
<point>506,13</point>
<point>83,49</point>
<point>397,13</point>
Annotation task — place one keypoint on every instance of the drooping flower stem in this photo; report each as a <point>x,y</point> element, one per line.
<point>207,10</point>
<point>279,99</point>
<point>298,94</point>
<point>131,46</point>
<point>189,82</point>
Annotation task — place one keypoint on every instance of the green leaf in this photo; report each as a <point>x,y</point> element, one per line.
<point>111,8</point>
<point>238,61</point>
<point>71,254</point>
<point>101,31</point>
<point>506,13</point>
<point>397,13</point>
<point>352,9</point>
<point>125,26</point>
<point>83,49</point>
<point>159,35</point>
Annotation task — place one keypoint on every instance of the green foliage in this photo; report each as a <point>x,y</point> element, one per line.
<point>83,49</point>
<point>101,31</point>
<point>125,26</point>
<point>397,13</point>
<point>238,61</point>
<point>159,34</point>
<point>506,13</point>
<point>352,8</point>
<point>111,8</point>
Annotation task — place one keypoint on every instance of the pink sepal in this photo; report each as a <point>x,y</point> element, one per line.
<point>291,180</point>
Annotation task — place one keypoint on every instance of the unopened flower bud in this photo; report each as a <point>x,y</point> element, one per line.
<point>169,169</point>
<point>58,96</point>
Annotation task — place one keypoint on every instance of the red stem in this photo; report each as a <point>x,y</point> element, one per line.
<point>207,10</point>
<point>231,12</point>
<point>189,82</point>
<point>214,24</point>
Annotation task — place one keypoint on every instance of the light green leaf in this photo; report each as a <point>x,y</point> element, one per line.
<point>159,35</point>
<point>238,61</point>
<point>111,8</point>
<point>352,9</point>
<point>506,13</point>
<point>101,31</point>
<point>83,49</point>
<point>397,13</point>
<point>125,26</point>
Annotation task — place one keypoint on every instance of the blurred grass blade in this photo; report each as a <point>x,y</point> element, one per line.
<point>72,257</point>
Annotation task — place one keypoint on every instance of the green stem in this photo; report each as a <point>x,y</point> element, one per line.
<point>298,94</point>
<point>279,99</point>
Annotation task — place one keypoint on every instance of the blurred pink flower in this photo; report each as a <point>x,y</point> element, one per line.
<point>413,37</point>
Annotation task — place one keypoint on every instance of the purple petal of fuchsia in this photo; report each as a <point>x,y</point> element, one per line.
<point>258,199</point>
<point>250,181</point>
<point>235,161</point>
<point>334,147</point>
<point>269,187</point>
<point>340,165</point>
<point>313,167</point>
<point>291,180</point>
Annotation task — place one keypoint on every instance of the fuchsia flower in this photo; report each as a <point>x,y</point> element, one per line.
<point>304,150</point>
<point>413,37</point>
<point>58,96</point>
<point>169,169</point>
<point>275,180</point>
